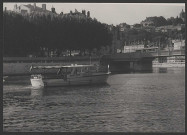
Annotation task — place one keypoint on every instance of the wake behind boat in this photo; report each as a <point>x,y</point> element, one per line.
<point>69,75</point>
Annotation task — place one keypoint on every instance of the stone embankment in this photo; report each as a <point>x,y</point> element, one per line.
<point>21,65</point>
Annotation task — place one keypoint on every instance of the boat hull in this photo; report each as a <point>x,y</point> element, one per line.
<point>78,80</point>
<point>37,83</point>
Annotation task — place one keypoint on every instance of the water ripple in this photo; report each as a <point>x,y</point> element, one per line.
<point>128,103</point>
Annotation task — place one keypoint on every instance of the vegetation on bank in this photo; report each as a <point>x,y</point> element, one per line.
<point>28,34</point>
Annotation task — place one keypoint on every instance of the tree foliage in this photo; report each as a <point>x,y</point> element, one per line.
<point>174,21</point>
<point>29,33</point>
<point>161,21</point>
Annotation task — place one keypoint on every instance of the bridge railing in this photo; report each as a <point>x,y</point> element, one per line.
<point>168,53</point>
<point>43,59</point>
<point>178,52</point>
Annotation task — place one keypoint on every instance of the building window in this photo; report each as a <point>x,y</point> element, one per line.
<point>23,11</point>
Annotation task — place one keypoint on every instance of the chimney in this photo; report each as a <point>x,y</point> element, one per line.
<point>44,6</point>
<point>61,13</point>
<point>88,14</point>
<point>34,5</point>
<point>83,12</point>
<point>53,10</point>
<point>15,6</point>
<point>76,11</point>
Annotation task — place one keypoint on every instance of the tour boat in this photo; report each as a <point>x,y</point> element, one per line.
<point>4,78</point>
<point>69,75</point>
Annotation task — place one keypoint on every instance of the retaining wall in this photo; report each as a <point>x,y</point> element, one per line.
<point>16,66</point>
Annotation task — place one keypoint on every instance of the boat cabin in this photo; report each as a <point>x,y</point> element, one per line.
<point>70,70</point>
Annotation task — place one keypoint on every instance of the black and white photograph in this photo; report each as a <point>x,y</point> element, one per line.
<point>94,67</point>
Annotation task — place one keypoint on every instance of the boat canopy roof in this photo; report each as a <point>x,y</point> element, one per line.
<point>58,67</point>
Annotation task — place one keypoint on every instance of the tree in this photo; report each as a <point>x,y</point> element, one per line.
<point>34,31</point>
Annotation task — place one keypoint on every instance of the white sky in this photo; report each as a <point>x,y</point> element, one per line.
<point>115,13</point>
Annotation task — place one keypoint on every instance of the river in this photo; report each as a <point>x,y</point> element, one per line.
<point>131,102</point>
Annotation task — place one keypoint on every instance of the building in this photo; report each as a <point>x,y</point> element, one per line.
<point>77,14</point>
<point>168,28</point>
<point>178,44</point>
<point>123,26</point>
<point>27,9</point>
<point>149,21</point>
<point>5,10</point>
<point>132,48</point>
<point>182,15</point>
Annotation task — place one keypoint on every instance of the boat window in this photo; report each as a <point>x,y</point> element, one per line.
<point>68,70</point>
<point>76,71</point>
<point>59,71</point>
<point>86,69</point>
<point>36,77</point>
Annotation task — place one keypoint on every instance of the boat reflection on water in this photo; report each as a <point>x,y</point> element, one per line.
<point>37,93</point>
<point>64,90</point>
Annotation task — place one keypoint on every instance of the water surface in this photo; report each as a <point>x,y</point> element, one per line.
<point>138,102</point>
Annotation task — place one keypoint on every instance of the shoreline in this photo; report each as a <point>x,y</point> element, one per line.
<point>14,66</point>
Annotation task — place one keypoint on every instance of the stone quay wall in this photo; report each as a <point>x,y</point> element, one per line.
<point>21,65</point>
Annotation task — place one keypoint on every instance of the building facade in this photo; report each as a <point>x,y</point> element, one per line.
<point>149,21</point>
<point>178,44</point>
<point>132,48</point>
<point>27,9</point>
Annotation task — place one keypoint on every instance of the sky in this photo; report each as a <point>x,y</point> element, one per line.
<point>115,13</point>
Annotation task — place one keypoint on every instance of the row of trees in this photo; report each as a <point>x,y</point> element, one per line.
<point>25,35</point>
<point>161,21</point>
<point>174,21</point>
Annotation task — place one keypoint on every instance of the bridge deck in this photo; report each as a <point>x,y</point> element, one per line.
<point>137,56</point>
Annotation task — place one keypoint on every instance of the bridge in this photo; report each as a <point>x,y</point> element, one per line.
<point>165,53</point>
<point>136,61</point>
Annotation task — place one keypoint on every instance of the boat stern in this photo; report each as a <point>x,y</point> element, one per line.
<point>36,81</point>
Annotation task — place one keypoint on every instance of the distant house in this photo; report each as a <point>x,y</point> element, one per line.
<point>77,14</point>
<point>110,27</point>
<point>123,26</point>
<point>137,25</point>
<point>178,44</point>
<point>169,28</point>
<point>23,9</point>
<point>149,21</point>
<point>132,48</point>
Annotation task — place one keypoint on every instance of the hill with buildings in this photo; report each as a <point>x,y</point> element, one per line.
<point>151,32</point>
